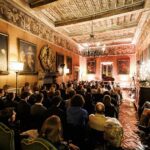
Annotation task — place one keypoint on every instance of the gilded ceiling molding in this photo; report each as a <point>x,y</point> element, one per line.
<point>15,16</point>
<point>116,50</point>
<point>145,35</point>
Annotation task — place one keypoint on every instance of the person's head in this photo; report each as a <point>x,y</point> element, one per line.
<point>27,84</point>
<point>89,90</point>
<point>8,114</point>
<point>52,89</point>
<point>10,96</point>
<point>107,100</point>
<point>56,100</point>
<point>2,92</point>
<point>72,93</point>
<point>100,108</point>
<point>57,93</point>
<point>69,85</point>
<point>51,129</point>
<point>6,87</point>
<point>25,95</point>
<point>39,97</point>
<point>147,105</point>
<point>77,100</point>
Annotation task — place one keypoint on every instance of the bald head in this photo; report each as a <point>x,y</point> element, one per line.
<point>100,108</point>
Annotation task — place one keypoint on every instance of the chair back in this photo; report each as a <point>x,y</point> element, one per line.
<point>36,144</point>
<point>113,132</point>
<point>6,138</point>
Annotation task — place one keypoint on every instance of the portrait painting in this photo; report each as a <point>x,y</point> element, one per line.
<point>149,51</point>
<point>27,55</point>
<point>3,53</point>
<point>91,65</point>
<point>59,63</point>
<point>123,66</point>
<point>69,64</point>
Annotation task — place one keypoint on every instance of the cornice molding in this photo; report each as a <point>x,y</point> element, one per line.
<point>19,18</point>
<point>111,51</point>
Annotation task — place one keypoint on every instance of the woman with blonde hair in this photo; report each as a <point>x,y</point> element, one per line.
<point>52,131</point>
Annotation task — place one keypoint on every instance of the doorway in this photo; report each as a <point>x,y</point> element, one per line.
<point>107,69</point>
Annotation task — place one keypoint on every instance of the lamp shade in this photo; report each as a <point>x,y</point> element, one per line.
<point>16,66</point>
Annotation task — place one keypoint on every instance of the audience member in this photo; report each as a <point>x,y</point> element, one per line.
<point>97,121</point>
<point>2,99</point>
<point>38,112</point>
<point>51,130</point>
<point>26,88</point>
<point>110,109</point>
<point>76,115</point>
<point>77,118</point>
<point>23,112</point>
<point>113,133</point>
<point>8,117</point>
<point>10,101</point>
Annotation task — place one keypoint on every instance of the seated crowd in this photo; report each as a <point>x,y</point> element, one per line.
<point>70,116</point>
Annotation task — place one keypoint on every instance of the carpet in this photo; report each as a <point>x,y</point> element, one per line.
<point>129,121</point>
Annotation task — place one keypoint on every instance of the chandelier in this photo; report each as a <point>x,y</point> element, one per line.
<point>91,47</point>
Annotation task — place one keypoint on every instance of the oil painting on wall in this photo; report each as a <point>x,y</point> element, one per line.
<point>27,55</point>
<point>91,65</point>
<point>69,64</point>
<point>3,53</point>
<point>123,66</point>
<point>60,63</point>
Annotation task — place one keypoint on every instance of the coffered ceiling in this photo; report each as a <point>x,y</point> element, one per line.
<point>110,21</point>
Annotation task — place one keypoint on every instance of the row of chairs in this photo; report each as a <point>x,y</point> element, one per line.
<point>7,141</point>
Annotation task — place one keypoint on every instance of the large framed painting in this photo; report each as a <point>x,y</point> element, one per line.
<point>91,65</point>
<point>123,66</point>
<point>149,52</point>
<point>27,55</point>
<point>3,54</point>
<point>69,64</point>
<point>60,63</point>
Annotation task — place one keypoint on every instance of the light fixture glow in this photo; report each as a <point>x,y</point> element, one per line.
<point>66,70</point>
<point>16,66</point>
<point>106,63</point>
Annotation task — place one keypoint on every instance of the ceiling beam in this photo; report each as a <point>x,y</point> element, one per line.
<point>125,9</point>
<point>108,30</point>
<point>39,3</point>
<point>103,40</point>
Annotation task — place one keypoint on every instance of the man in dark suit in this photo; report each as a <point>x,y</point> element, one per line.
<point>23,112</point>
<point>38,112</point>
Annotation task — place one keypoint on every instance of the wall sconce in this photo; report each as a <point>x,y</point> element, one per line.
<point>66,70</point>
<point>16,67</point>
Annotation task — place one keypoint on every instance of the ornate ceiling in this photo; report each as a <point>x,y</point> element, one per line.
<point>111,21</point>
